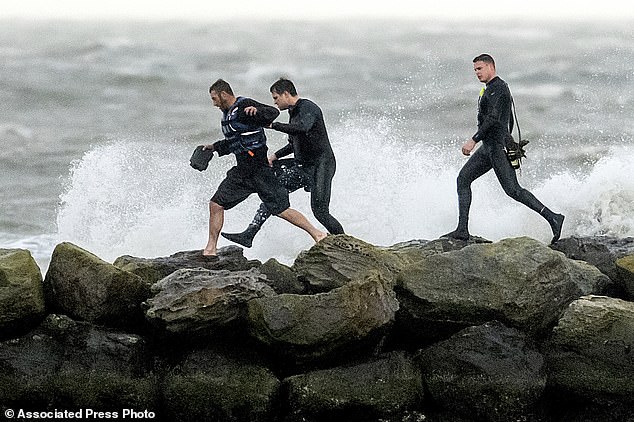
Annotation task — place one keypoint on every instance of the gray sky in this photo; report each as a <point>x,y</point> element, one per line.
<point>321,9</point>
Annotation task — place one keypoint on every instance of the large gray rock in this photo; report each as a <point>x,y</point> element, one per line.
<point>489,372</point>
<point>412,251</point>
<point>383,387</point>
<point>625,268</point>
<point>337,259</point>
<point>76,365</point>
<point>83,286</point>
<point>307,327</point>
<point>152,270</point>
<point>21,293</point>
<point>591,351</point>
<point>200,300</point>
<point>212,386</point>
<point>520,282</point>
<point>282,278</point>
<point>602,252</point>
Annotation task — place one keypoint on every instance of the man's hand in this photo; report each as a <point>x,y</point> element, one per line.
<point>250,111</point>
<point>272,158</point>
<point>211,147</point>
<point>468,147</point>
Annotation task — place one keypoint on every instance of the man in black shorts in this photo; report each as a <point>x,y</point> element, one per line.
<point>242,125</point>
<point>495,123</point>
<point>313,167</point>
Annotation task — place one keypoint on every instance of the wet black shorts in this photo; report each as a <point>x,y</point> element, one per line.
<point>239,184</point>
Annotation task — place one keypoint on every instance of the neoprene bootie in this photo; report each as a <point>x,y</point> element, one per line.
<point>245,238</point>
<point>458,234</point>
<point>556,222</point>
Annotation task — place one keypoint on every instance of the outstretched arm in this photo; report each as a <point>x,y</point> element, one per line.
<point>302,122</point>
<point>257,113</point>
<point>221,147</point>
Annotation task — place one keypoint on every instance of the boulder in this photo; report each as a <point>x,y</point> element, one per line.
<point>213,386</point>
<point>152,270</point>
<point>591,353</point>
<point>282,278</point>
<point>338,259</point>
<point>625,268</point>
<point>489,372</point>
<point>21,292</point>
<point>74,365</point>
<point>382,387</point>
<point>602,252</point>
<point>201,301</point>
<point>520,282</point>
<point>312,327</point>
<point>412,251</point>
<point>83,286</point>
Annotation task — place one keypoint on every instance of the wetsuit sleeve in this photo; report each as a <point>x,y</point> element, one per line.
<point>284,151</point>
<point>264,117</point>
<point>302,122</point>
<point>496,108</point>
<point>222,147</point>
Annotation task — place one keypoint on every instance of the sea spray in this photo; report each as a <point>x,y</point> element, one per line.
<point>134,197</point>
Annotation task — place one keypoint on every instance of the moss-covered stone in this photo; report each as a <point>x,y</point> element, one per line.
<point>489,372</point>
<point>211,386</point>
<point>70,364</point>
<point>520,282</point>
<point>202,301</point>
<point>381,387</point>
<point>313,326</point>
<point>338,259</point>
<point>282,278</point>
<point>625,267</point>
<point>152,270</point>
<point>83,286</point>
<point>21,292</point>
<point>591,353</point>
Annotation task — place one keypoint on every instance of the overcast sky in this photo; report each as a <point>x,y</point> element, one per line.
<point>317,9</point>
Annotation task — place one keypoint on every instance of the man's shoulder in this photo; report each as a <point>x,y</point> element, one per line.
<point>244,101</point>
<point>308,106</point>
<point>306,102</point>
<point>498,86</point>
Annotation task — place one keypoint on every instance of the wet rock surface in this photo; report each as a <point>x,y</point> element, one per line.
<point>436,330</point>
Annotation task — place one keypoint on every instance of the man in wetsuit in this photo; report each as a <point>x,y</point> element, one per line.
<point>313,167</point>
<point>494,126</point>
<point>242,125</point>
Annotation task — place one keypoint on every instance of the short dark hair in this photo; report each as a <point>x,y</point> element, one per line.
<point>221,86</point>
<point>486,58</point>
<point>283,85</point>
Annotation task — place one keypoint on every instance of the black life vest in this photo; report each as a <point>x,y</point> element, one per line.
<point>242,137</point>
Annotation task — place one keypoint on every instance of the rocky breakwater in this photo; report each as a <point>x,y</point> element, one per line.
<point>419,331</point>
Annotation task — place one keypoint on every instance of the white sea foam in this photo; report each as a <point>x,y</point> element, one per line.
<point>132,198</point>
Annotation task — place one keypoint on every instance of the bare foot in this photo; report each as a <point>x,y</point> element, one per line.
<point>209,252</point>
<point>321,236</point>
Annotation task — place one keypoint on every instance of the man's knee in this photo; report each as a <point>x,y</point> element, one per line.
<point>462,181</point>
<point>215,208</point>
<point>514,192</point>
<point>320,212</point>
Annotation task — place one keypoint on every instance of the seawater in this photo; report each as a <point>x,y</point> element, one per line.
<point>99,118</point>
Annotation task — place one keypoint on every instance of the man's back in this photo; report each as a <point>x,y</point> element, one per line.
<point>307,133</point>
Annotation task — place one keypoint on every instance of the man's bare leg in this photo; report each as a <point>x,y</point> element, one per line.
<point>297,219</point>
<point>216,220</point>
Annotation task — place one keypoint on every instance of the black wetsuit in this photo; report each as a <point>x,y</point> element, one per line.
<point>308,141</point>
<point>494,124</point>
